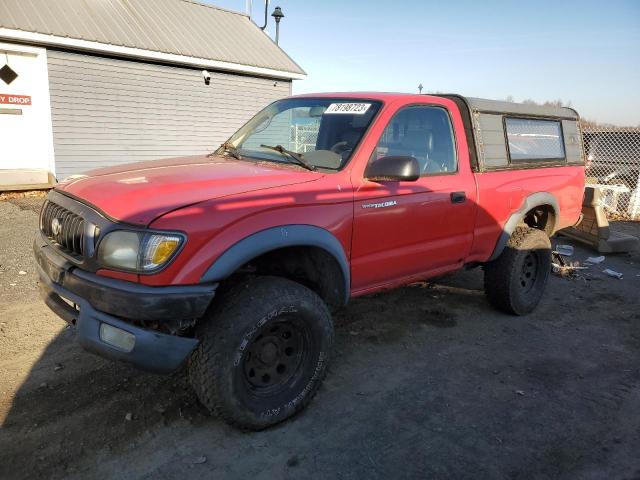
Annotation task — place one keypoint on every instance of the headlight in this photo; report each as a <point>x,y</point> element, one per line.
<point>138,251</point>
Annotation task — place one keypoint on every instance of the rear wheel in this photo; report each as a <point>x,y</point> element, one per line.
<point>515,281</point>
<point>263,352</point>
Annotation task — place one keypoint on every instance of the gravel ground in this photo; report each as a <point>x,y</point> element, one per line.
<point>428,382</point>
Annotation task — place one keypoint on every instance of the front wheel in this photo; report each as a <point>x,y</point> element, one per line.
<point>515,281</point>
<point>263,352</point>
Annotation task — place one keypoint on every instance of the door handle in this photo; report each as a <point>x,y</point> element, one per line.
<point>458,197</point>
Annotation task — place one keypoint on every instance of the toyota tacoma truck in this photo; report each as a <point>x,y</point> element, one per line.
<point>233,261</point>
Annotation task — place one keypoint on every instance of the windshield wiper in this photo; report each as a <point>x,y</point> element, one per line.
<point>227,147</point>
<point>297,157</point>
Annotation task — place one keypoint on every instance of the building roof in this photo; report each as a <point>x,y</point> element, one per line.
<point>176,31</point>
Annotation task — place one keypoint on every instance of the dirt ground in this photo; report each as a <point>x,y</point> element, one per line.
<point>427,382</point>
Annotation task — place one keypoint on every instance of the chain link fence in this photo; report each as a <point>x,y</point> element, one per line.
<point>612,156</point>
<point>304,136</point>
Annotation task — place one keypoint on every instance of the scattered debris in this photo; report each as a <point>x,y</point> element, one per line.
<point>565,250</point>
<point>27,194</point>
<point>195,460</point>
<point>22,272</point>
<point>128,417</point>
<point>44,385</point>
<point>612,273</point>
<point>520,392</point>
<point>567,270</point>
<point>58,367</point>
<point>563,268</point>
<point>595,260</point>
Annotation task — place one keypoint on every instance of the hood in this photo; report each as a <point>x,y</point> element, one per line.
<point>138,193</point>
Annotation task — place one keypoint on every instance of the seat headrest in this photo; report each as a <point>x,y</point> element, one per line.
<point>418,140</point>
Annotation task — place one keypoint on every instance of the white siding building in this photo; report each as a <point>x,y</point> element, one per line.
<point>106,82</point>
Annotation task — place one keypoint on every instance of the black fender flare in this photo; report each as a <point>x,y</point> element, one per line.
<point>532,201</point>
<point>274,238</point>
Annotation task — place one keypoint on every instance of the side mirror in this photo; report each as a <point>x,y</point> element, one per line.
<point>393,168</point>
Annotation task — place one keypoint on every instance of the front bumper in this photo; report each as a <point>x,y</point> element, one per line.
<point>118,303</point>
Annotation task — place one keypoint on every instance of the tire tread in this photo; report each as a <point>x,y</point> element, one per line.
<point>498,274</point>
<point>224,324</point>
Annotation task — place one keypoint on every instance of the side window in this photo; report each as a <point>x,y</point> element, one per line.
<point>424,133</point>
<point>534,140</point>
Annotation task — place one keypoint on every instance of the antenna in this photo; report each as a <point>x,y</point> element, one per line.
<point>266,17</point>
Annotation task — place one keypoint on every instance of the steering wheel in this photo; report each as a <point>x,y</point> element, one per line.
<point>341,147</point>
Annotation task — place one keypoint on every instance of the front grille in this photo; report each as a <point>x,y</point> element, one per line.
<point>65,229</point>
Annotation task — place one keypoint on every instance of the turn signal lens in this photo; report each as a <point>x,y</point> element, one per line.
<point>164,250</point>
<point>158,250</point>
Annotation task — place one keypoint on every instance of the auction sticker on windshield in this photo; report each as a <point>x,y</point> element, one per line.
<point>350,108</point>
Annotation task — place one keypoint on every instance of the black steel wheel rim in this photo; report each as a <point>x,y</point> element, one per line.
<point>274,359</point>
<point>529,272</point>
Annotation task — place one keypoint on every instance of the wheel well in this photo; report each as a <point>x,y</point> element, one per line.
<point>310,266</point>
<point>542,217</point>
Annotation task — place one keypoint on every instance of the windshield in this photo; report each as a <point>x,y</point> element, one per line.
<point>321,132</point>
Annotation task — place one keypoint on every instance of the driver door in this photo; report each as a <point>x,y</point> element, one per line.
<point>413,229</point>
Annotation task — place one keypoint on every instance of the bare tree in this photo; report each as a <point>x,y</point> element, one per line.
<point>549,103</point>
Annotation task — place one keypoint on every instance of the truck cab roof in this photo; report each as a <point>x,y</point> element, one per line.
<point>473,103</point>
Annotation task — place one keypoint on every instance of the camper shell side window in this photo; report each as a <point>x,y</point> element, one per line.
<point>532,140</point>
<point>515,136</point>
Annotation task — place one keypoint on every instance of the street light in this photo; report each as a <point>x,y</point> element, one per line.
<point>278,15</point>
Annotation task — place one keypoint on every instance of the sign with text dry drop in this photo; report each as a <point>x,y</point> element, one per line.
<point>9,99</point>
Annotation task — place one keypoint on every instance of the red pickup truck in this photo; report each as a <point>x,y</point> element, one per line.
<point>234,260</point>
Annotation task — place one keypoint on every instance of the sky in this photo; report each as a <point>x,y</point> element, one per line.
<point>584,52</point>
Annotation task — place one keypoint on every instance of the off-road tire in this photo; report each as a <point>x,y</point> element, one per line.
<point>239,334</point>
<point>515,281</point>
